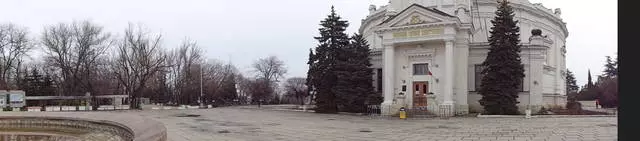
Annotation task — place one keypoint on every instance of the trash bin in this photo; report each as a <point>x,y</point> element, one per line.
<point>403,113</point>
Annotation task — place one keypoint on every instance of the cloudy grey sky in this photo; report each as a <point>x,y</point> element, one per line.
<point>245,30</point>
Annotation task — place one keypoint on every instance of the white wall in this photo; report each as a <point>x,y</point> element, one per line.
<point>404,69</point>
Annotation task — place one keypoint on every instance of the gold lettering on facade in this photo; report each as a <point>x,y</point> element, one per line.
<point>414,33</point>
<point>432,31</point>
<point>399,34</point>
<point>419,32</point>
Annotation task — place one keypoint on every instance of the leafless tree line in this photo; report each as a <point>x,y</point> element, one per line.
<point>81,57</point>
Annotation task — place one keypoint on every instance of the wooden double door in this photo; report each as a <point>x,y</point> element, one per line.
<point>420,91</point>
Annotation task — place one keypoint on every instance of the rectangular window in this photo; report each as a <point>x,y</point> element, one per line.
<point>420,69</point>
<point>379,79</point>
<point>478,78</point>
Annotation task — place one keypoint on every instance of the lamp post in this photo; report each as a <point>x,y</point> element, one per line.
<point>201,99</point>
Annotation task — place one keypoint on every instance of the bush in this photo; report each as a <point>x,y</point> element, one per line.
<point>608,92</point>
<point>543,111</point>
<point>374,99</point>
<point>574,107</point>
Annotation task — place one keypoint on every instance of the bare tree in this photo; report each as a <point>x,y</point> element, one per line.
<point>268,70</point>
<point>14,44</point>
<point>185,72</point>
<point>74,50</point>
<point>260,90</point>
<point>243,88</point>
<point>296,87</point>
<point>140,57</point>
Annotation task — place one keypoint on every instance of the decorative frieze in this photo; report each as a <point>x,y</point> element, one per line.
<point>419,32</point>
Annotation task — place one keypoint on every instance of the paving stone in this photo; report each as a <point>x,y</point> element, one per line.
<point>289,125</point>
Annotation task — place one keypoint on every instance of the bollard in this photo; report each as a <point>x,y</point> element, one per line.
<point>403,113</point>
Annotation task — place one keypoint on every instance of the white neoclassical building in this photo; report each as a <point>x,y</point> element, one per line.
<point>426,53</point>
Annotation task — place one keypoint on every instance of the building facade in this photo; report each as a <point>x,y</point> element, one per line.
<point>426,53</point>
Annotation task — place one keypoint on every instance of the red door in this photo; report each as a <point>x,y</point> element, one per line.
<point>420,90</point>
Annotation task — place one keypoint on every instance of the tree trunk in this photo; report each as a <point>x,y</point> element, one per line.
<point>259,102</point>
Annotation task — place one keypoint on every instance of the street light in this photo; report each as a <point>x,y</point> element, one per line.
<point>201,100</point>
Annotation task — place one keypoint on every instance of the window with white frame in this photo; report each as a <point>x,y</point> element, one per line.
<point>421,69</point>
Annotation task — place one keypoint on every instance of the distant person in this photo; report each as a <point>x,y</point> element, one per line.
<point>597,103</point>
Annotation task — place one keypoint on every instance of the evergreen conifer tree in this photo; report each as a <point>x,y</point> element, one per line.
<point>310,72</point>
<point>610,68</point>
<point>570,82</point>
<point>332,39</point>
<point>589,81</point>
<point>503,69</point>
<point>228,90</point>
<point>354,81</point>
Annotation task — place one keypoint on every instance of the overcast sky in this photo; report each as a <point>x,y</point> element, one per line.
<point>242,31</point>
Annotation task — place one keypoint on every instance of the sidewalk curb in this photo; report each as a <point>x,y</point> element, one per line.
<point>544,116</point>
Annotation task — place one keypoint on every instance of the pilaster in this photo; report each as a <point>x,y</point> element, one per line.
<point>447,107</point>
<point>388,78</point>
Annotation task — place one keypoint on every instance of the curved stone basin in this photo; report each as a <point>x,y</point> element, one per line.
<point>54,128</point>
<point>79,126</point>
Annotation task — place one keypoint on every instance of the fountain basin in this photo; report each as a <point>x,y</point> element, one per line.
<point>80,126</point>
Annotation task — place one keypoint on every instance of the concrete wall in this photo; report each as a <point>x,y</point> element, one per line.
<point>590,103</point>
<point>550,101</point>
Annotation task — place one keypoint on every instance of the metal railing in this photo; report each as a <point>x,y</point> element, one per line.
<point>376,112</point>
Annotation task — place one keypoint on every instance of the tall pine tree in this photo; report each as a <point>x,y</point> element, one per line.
<point>354,82</point>
<point>570,82</point>
<point>332,38</point>
<point>589,81</point>
<point>310,72</point>
<point>228,90</point>
<point>503,69</point>
<point>610,68</point>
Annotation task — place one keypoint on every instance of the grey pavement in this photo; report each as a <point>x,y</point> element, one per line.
<point>605,110</point>
<point>242,124</point>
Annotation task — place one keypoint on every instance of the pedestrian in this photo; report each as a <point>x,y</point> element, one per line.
<point>597,103</point>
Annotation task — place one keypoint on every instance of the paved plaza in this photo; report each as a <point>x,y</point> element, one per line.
<point>237,123</point>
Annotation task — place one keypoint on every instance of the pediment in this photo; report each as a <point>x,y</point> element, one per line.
<point>417,14</point>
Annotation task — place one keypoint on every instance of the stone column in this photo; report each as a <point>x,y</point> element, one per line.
<point>388,78</point>
<point>446,108</point>
<point>536,83</point>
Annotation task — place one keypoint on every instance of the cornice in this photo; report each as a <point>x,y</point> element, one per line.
<point>524,46</point>
<point>438,24</point>
<point>443,37</point>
